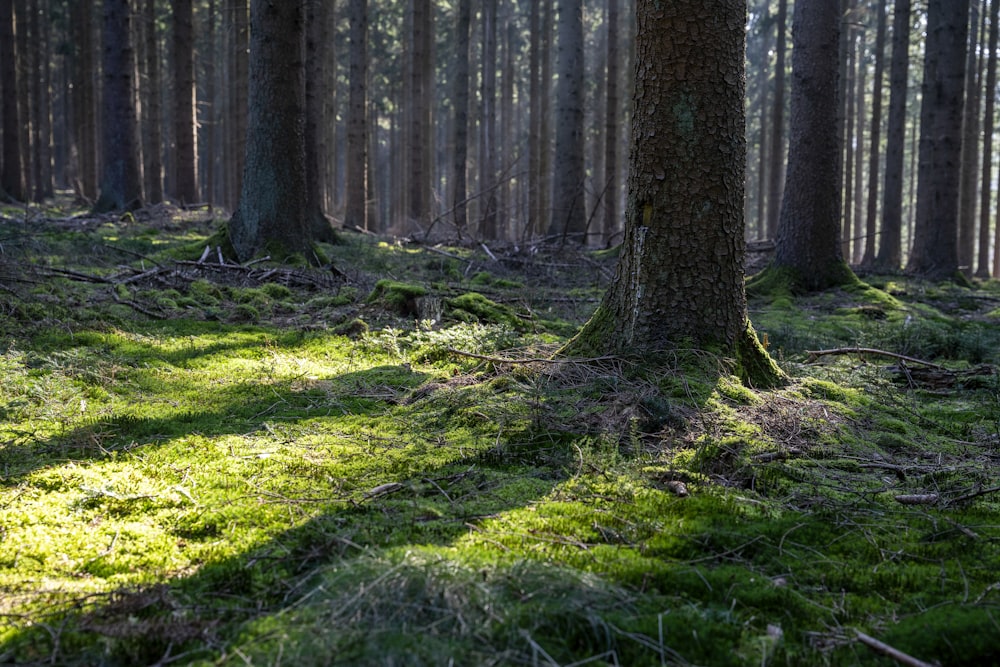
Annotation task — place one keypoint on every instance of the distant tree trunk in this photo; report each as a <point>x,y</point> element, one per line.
<point>209,151</point>
<point>420,137</point>
<point>12,177</point>
<point>316,45</point>
<point>273,212</point>
<point>874,162</point>
<point>680,277</point>
<point>969,179</point>
<point>236,124</point>
<point>935,233</point>
<point>544,182</point>
<point>568,202</point>
<point>185,153</point>
<point>507,144</point>
<point>849,104</point>
<point>983,255</point>
<point>612,121</point>
<point>152,117</point>
<point>857,198</point>
<point>41,105</point>
<point>488,123</point>
<point>460,94</point>
<point>776,167</point>
<point>890,253</point>
<point>121,184</point>
<point>356,192</point>
<point>807,249</point>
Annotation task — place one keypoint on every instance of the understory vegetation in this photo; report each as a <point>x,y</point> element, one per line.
<point>380,462</point>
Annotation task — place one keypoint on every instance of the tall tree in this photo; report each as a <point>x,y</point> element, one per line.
<point>419,138</point>
<point>11,176</point>
<point>186,148</point>
<point>612,120</point>
<point>121,184</point>
<point>874,163</point>
<point>488,123</point>
<point>356,191</point>
<point>236,125</point>
<point>935,231</point>
<point>776,168</point>
<point>273,209</point>
<point>680,277</point>
<point>152,117</point>
<point>890,253</point>
<point>317,39</point>
<point>568,218</point>
<point>971,131</point>
<point>41,103</point>
<point>460,95</point>
<point>983,254</point>
<point>807,248</point>
<point>535,117</point>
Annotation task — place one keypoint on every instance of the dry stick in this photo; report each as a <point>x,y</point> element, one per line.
<point>970,496</point>
<point>813,354</point>
<point>895,654</point>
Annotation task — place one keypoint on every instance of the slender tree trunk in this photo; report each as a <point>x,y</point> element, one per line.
<point>152,117</point>
<point>507,145</point>
<point>612,121</point>
<point>807,248</point>
<point>209,151</point>
<point>121,184</point>
<point>419,129</point>
<point>850,110</point>
<point>12,177</point>
<point>985,194</point>
<point>535,113</point>
<point>186,148</point>
<point>568,203</point>
<point>356,192</point>
<point>857,199</point>
<point>776,167</point>
<point>967,199</point>
<point>874,162</point>
<point>316,43</point>
<point>890,253</point>
<point>237,118</point>
<point>461,96</point>
<point>488,123</point>
<point>41,105</point>
<point>935,233</point>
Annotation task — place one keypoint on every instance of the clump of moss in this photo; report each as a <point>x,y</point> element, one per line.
<point>474,307</point>
<point>397,296</point>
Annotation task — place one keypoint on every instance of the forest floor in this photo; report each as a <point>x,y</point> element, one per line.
<point>380,463</point>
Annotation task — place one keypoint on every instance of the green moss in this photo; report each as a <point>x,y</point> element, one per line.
<point>473,306</point>
<point>397,296</point>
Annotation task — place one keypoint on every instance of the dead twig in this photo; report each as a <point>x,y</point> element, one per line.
<point>815,354</point>
<point>884,649</point>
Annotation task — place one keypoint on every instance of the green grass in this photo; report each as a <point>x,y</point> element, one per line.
<point>272,473</point>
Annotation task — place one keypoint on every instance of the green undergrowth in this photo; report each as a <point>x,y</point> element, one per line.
<point>334,478</point>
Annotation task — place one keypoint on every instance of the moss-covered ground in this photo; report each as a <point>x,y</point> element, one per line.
<point>376,463</point>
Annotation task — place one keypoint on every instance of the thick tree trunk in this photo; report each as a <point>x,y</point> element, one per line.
<point>185,145</point>
<point>890,253</point>
<point>121,184</point>
<point>273,211</point>
<point>935,233</point>
<point>356,191</point>
<point>807,248</point>
<point>680,277</point>
<point>568,202</point>
<point>420,138</point>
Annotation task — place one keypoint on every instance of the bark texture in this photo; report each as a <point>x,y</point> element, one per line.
<point>807,248</point>
<point>680,278</point>
<point>356,190</point>
<point>272,212</point>
<point>568,202</point>
<point>185,142</point>
<point>935,232</point>
<point>11,181</point>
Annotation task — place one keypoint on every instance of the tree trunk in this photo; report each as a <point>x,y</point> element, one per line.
<point>236,140</point>
<point>849,104</point>
<point>41,105</point>
<point>568,203</point>
<point>121,185</point>
<point>680,277</point>
<point>152,117</point>
<point>807,248</point>
<point>12,177</point>
<point>460,94</point>
<point>969,180</point>
<point>874,162</point>
<point>420,138</point>
<point>356,191</point>
<point>935,233</point>
<point>273,211</point>
<point>544,183</point>
<point>488,123</point>
<point>776,167</point>
<point>316,45</point>
<point>185,146</point>
<point>857,198</point>
<point>985,194</point>
<point>209,153</point>
<point>612,121</point>
<point>890,252</point>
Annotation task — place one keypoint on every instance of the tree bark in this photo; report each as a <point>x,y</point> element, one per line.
<point>460,94</point>
<point>152,117</point>
<point>807,248</point>
<point>121,185</point>
<point>612,121</point>
<point>185,144</point>
<point>356,191</point>
<point>488,123</point>
<point>12,177</point>
<point>273,211</point>
<point>568,218</point>
<point>680,277</point>
<point>890,253</point>
<point>874,161</point>
<point>935,233</point>
<point>317,40</point>
<point>776,167</point>
<point>971,131</point>
<point>985,194</point>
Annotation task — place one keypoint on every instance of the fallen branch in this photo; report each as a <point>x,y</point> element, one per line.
<point>890,652</point>
<point>815,354</point>
<point>970,496</point>
<point>918,499</point>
